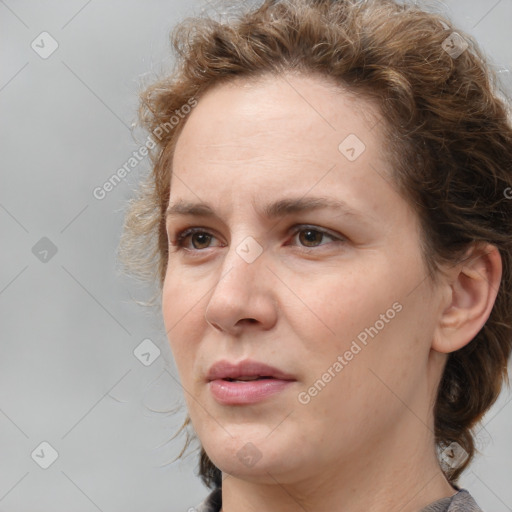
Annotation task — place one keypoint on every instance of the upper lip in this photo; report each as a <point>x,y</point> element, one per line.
<point>224,369</point>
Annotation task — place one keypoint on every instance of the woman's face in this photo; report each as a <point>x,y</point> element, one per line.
<point>334,298</point>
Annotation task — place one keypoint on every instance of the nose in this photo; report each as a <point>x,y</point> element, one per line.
<point>243,294</point>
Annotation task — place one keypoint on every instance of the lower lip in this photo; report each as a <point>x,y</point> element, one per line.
<point>246,392</point>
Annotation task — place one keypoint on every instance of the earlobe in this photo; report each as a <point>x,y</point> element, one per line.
<point>470,290</point>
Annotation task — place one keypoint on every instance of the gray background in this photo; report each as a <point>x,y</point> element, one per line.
<point>69,324</point>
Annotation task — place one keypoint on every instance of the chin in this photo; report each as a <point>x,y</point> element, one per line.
<point>261,472</point>
<point>257,457</point>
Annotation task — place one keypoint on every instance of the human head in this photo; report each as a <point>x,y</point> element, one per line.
<point>449,144</point>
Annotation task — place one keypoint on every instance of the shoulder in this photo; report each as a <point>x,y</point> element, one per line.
<point>463,502</point>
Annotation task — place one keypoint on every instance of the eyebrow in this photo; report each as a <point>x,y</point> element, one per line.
<point>274,210</point>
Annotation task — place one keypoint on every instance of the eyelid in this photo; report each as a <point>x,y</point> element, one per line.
<point>297,228</point>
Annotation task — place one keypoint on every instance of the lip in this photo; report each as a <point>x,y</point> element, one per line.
<point>228,392</point>
<point>247,368</point>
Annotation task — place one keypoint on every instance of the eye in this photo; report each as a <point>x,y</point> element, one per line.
<point>310,236</point>
<point>203,237</point>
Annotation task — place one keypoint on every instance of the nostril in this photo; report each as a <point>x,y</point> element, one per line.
<point>247,320</point>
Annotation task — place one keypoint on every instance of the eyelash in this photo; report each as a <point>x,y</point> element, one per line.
<point>178,242</point>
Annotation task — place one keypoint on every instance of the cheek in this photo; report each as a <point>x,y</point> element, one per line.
<point>182,316</point>
<point>369,318</point>
<point>339,304</point>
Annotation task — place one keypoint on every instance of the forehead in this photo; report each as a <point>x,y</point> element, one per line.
<point>280,135</point>
<point>276,113</point>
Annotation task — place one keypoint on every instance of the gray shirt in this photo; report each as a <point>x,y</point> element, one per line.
<point>459,502</point>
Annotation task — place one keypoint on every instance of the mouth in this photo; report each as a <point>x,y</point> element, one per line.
<point>246,379</point>
<point>246,382</point>
<point>244,371</point>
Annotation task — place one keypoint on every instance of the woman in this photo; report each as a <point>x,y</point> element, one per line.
<point>328,220</point>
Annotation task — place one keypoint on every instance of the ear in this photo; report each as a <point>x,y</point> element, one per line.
<point>469,289</point>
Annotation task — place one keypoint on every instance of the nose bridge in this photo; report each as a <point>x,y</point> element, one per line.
<point>243,263</point>
<point>243,290</point>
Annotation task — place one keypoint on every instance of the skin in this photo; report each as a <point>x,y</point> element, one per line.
<point>365,441</point>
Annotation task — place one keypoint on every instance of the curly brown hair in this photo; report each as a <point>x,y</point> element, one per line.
<point>450,144</point>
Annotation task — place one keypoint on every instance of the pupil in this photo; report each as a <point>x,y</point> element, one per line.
<point>204,236</point>
<point>314,234</point>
